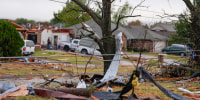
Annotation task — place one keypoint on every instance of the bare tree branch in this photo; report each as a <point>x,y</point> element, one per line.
<point>113,1</point>
<point>92,36</point>
<point>168,16</point>
<point>98,3</point>
<point>119,18</point>
<point>95,17</point>
<point>185,18</point>
<point>137,6</point>
<point>189,5</point>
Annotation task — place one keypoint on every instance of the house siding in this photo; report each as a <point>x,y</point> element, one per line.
<point>124,39</point>
<point>45,35</point>
<point>63,36</point>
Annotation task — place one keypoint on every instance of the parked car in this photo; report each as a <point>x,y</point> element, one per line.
<point>178,49</point>
<point>70,46</point>
<point>28,48</point>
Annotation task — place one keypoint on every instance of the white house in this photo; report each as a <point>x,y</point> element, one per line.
<point>63,34</point>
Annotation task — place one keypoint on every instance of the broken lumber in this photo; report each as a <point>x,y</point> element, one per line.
<point>75,91</point>
<point>57,94</point>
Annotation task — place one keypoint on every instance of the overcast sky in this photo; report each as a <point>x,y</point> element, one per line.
<point>42,10</point>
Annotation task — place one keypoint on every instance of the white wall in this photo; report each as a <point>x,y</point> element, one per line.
<point>48,33</point>
<point>62,36</point>
<point>44,36</point>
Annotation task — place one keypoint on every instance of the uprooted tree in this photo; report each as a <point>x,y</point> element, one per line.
<point>194,22</point>
<point>107,43</point>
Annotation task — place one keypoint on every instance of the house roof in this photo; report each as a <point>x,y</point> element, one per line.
<point>139,33</point>
<point>62,31</point>
<point>59,25</point>
<point>167,27</point>
<point>17,26</point>
<point>130,33</point>
<point>95,27</point>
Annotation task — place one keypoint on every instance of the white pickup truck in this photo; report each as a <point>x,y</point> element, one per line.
<point>88,46</point>
<point>70,46</point>
<point>28,48</point>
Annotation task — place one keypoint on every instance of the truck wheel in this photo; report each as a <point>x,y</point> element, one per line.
<point>66,48</point>
<point>84,51</point>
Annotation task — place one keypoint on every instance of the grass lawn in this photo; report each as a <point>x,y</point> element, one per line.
<point>170,56</point>
<point>66,57</point>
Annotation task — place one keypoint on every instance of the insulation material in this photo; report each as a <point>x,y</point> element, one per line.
<point>6,88</point>
<point>81,84</point>
<point>113,68</point>
<point>188,91</point>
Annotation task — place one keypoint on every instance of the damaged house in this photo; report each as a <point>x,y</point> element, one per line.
<point>95,27</point>
<point>153,42</point>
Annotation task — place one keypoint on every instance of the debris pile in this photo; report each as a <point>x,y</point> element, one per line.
<point>89,88</point>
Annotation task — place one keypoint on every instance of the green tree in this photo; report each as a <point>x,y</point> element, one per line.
<point>194,22</point>
<point>23,21</point>
<point>10,41</point>
<point>124,10</point>
<point>184,32</point>
<point>71,14</point>
<point>137,22</point>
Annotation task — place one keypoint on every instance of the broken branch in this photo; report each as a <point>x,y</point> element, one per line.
<point>119,18</point>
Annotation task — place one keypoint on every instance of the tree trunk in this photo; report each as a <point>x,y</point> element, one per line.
<point>104,21</point>
<point>109,46</point>
<point>108,39</point>
<point>195,26</point>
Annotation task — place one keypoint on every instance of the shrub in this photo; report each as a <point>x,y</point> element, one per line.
<point>10,40</point>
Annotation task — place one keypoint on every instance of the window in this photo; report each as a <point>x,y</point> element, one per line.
<point>29,44</point>
<point>76,42</point>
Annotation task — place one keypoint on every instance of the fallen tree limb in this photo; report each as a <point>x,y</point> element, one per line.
<point>75,91</point>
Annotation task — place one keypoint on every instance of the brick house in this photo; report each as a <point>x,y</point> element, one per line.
<point>153,42</point>
<point>95,27</point>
